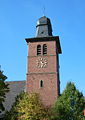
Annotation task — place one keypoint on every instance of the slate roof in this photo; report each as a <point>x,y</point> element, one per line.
<point>43,28</point>
<point>16,87</point>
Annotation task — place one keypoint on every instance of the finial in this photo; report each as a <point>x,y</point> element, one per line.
<point>43,10</point>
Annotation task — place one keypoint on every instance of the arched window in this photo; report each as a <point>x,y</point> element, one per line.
<point>44,49</point>
<point>41,83</point>
<point>38,49</point>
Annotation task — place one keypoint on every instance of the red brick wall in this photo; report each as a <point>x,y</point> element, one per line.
<point>51,47</point>
<point>51,66</point>
<point>48,92</point>
<point>49,75</point>
<point>84,112</point>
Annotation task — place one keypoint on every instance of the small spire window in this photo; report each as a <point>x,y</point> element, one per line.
<point>41,83</point>
<point>38,49</point>
<point>44,49</point>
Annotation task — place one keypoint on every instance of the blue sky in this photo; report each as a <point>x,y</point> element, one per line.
<point>18,21</point>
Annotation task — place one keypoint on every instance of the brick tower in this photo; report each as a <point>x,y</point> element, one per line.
<point>43,63</point>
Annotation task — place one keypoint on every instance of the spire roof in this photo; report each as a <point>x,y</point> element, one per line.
<point>43,27</point>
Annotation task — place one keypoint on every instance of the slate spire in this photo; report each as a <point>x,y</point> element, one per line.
<point>43,27</point>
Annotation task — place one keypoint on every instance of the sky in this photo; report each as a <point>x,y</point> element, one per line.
<point>18,20</point>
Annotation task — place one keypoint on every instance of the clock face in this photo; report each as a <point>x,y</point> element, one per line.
<point>42,63</point>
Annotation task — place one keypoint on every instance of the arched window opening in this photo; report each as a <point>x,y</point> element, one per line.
<point>41,83</point>
<point>44,49</point>
<point>39,50</point>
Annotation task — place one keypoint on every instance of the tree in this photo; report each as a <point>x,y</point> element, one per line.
<point>70,104</point>
<point>27,107</point>
<point>3,89</point>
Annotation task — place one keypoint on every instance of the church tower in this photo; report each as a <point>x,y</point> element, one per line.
<point>43,63</point>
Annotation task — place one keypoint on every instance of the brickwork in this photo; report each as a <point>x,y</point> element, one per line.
<point>49,75</point>
<point>84,112</point>
<point>51,47</point>
<point>49,91</point>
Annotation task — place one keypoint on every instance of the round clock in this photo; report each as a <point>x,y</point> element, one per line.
<point>42,63</point>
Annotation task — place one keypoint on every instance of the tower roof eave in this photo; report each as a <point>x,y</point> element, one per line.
<point>49,38</point>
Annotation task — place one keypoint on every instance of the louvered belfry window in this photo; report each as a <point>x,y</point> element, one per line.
<point>44,49</point>
<point>38,49</point>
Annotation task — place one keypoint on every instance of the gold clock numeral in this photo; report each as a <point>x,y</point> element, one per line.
<point>42,63</point>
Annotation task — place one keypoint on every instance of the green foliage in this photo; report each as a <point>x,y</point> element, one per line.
<point>27,107</point>
<point>3,89</point>
<point>70,104</point>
